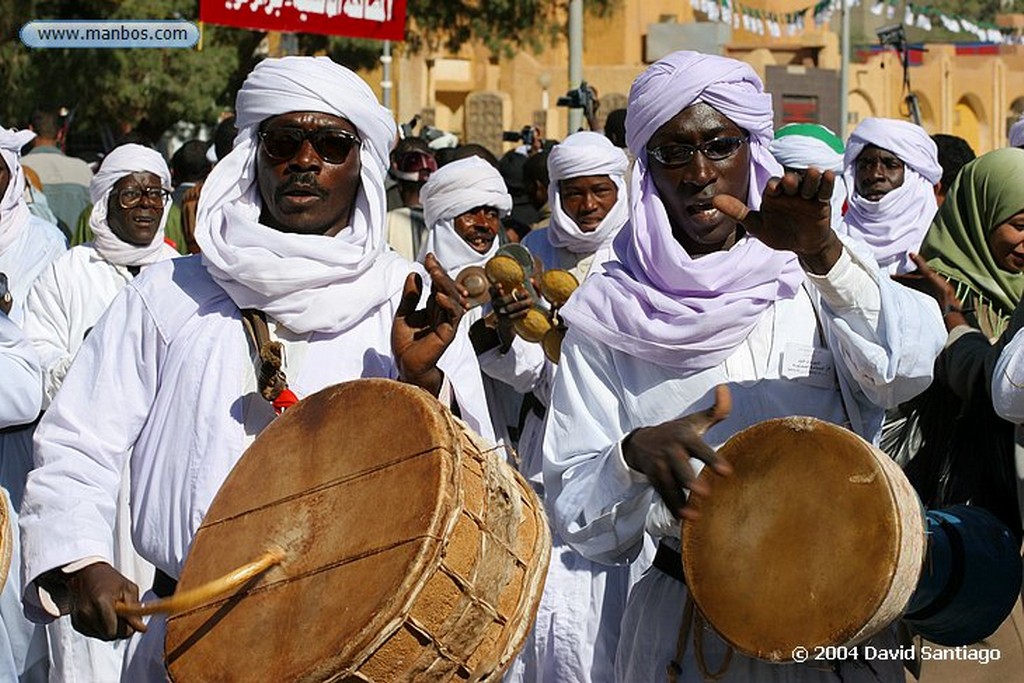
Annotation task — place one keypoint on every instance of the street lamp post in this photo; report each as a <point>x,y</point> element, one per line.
<point>844,70</point>
<point>575,59</point>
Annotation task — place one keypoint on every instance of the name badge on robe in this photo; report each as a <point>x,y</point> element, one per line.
<point>810,365</point>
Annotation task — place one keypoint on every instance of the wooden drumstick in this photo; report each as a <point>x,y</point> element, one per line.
<point>182,602</point>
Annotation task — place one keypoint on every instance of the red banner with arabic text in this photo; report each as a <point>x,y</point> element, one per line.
<point>380,19</point>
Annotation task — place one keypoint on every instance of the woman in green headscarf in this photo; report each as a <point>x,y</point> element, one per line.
<point>977,239</point>
<point>971,262</point>
<point>961,450</point>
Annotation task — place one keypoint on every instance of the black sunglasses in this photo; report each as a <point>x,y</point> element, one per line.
<point>677,154</point>
<point>331,144</point>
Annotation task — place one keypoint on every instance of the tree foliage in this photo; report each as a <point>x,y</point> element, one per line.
<point>150,89</point>
<point>142,89</point>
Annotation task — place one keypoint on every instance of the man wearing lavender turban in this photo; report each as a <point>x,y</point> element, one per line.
<point>893,169</point>
<point>291,224</point>
<point>27,246</point>
<point>730,285</point>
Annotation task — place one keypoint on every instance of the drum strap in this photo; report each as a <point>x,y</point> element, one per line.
<point>270,378</point>
<point>669,562</point>
<point>163,585</point>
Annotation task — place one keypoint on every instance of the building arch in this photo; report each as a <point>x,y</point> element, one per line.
<point>969,122</point>
<point>860,106</point>
<point>927,112</point>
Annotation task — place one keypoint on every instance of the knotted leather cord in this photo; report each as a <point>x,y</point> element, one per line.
<point>271,380</point>
<point>692,616</point>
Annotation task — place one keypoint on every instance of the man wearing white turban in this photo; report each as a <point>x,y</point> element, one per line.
<point>291,224</point>
<point>799,146</point>
<point>727,282</point>
<point>130,196</point>
<point>576,631</point>
<point>892,168</point>
<point>27,245</point>
<point>463,203</point>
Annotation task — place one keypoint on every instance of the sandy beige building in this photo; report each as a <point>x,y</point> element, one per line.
<point>974,91</point>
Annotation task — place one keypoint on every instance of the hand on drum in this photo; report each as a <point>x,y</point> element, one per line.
<point>663,453</point>
<point>95,590</point>
<point>795,216</point>
<point>419,337</point>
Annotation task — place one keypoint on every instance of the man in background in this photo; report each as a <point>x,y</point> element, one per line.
<point>65,179</point>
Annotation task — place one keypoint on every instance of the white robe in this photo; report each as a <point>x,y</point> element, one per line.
<point>506,378</point>
<point>66,301</point>
<point>1008,393</point>
<point>883,339</point>
<point>167,364</point>
<point>22,644</point>
<point>576,632</point>
<point>21,389</point>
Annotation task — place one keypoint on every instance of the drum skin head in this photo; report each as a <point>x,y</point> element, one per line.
<point>352,484</point>
<point>797,547</point>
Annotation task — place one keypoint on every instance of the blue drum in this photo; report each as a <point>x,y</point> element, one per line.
<point>971,577</point>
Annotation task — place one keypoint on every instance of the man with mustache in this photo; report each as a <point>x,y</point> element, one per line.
<point>893,170</point>
<point>291,226</point>
<point>130,194</point>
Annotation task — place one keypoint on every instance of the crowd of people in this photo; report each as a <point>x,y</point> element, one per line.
<point>729,273</point>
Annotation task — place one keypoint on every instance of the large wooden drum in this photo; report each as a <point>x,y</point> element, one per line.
<point>816,540</point>
<point>412,551</point>
<point>6,538</point>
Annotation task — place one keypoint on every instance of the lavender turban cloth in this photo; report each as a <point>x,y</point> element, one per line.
<point>659,303</point>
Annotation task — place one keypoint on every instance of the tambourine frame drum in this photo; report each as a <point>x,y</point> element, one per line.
<point>816,540</point>
<point>413,551</point>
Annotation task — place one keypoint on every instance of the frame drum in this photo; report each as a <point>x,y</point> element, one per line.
<point>816,540</point>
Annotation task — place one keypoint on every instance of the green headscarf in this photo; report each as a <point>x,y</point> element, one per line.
<point>987,192</point>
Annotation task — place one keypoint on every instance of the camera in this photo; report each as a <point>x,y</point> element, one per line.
<point>526,135</point>
<point>582,97</point>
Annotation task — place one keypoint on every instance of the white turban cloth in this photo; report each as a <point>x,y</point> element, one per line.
<point>14,214</point>
<point>657,302</point>
<point>585,154</point>
<point>896,224</point>
<point>806,145</point>
<point>123,161</point>
<point>305,282</point>
<point>451,191</point>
